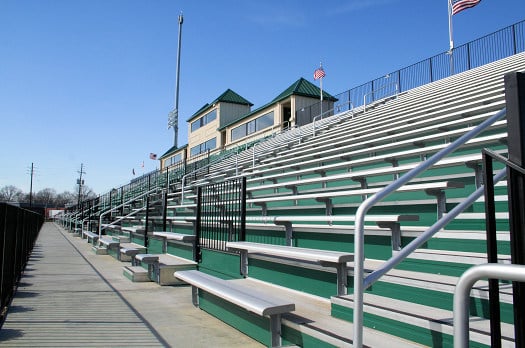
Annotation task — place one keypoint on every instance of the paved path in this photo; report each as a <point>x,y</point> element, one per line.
<point>70,297</point>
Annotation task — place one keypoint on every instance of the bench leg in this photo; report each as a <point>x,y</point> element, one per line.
<point>195,296</point>
<point>244,263</point>
<point>395,228</point>
<point>342,279</point>
<point>275,329</point>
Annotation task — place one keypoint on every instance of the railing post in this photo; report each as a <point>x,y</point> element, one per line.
<point>242,232</point>
<point>197,256</point>
<point>164,209</point>
<point>515,100</point>
<point>492,251</point>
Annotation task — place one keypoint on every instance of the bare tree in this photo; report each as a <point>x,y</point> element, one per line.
<point>87,193</point>
<point>45,197</point>
<point>64,198</point>
<point>10,193</point>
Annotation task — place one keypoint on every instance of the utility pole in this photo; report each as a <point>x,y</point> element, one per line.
<point>31,187</point>
<point>173,118</point>
<point>80,182</point>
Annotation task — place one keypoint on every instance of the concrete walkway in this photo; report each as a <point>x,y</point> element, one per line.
<point>70,297</point>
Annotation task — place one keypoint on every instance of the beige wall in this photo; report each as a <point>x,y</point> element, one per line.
<point>204,133</point>
<point>276,121</point>
<point>167,161</point>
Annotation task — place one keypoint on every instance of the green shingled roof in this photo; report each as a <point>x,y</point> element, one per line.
<point>172,150</point>
<point>228,96</point>
<point>301,87</point>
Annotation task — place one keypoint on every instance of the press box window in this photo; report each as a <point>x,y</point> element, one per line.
<point>204,120</point>
<point>204,147</point>
<point>253,126</point>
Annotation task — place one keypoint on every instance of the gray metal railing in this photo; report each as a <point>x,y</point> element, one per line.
<point>361,283</point>
<point>100,227</point>
<point>466,282</point>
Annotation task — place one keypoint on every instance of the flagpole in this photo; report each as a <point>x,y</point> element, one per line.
<point>321,88</point>
<point>450,37</point>
<point>450,33</point>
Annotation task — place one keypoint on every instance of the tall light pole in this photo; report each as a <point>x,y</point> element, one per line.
<point>173,118</point>
<point>80,182</point>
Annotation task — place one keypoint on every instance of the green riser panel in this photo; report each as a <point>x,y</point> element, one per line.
<point>291,337</point>
<point>394,327</point>
<point>114,252</point>
<point>434,267</point>
<point>222,265</point>
<point>437,299</point>
<point>180,250</point>
<point>310,281</point>
<point>137,240</point>
<point>255,326</point>
<point>478,246</point>
<point>155,246</point>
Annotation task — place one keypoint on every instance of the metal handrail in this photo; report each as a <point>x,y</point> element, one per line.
<point>462,293</point>
<point>360,284</point>
<point>100,228</point>
<point>374,91</point>
<point>425,236</point>
<point>332,109</point>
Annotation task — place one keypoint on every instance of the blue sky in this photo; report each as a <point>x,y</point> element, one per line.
<point>93,81</point>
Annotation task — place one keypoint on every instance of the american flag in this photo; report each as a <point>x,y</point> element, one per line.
<point>319,73</point>
<point>152,156</point>
<point>460,5</point>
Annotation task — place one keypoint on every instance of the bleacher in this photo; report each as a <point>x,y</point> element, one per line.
<point>303,189</point>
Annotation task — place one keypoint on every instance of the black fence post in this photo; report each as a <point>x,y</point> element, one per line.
<point>242,232</point>
<point>515,100</point>
<point>492,250</point>
<point>197,256</point>
<point>164,210</point>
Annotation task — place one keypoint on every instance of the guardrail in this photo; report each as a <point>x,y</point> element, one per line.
<point>18,232</point>
<point>490,48</point>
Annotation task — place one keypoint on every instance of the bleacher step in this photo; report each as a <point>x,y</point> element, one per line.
<point>136,274</point>
<point>99,250</point>
<point>167,265</point>
<point>383,311</point>
<point>312,317</point>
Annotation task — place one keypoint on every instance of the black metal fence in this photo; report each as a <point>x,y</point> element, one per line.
<point>221,215</point>
<point>498,45</point>
<point>18,232</point>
